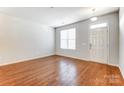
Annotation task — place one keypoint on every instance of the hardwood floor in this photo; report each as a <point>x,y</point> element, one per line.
<point>58,70</point>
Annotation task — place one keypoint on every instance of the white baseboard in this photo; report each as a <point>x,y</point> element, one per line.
<point>113,65</point>
<point>73,57</point>
<point>84,59</point>
<point>122,72</point>
<point>23,60</point>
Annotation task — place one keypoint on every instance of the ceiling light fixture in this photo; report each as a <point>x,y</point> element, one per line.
<point>93,18</point>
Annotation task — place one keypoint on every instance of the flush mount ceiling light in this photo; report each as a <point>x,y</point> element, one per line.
<point>93,18</point>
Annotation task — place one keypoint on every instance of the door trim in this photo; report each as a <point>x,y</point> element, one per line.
<point>108,42</point>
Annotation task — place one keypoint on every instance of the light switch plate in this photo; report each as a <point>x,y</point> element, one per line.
<point>83,44</point>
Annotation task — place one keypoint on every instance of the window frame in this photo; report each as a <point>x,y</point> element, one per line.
<point>67,39</point>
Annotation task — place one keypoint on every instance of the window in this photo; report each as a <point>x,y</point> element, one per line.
<point>67,38</point>
<point>98,25</point>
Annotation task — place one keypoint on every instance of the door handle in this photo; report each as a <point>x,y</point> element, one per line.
<point>90,45</point>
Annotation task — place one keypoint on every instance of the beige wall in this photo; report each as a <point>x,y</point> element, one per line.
<point>22,40</point>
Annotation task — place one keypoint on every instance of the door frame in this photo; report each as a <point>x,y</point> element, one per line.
<point>108,43</point>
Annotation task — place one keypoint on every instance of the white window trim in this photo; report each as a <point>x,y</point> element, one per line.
<point>68,40</point>
<point>95,26</point>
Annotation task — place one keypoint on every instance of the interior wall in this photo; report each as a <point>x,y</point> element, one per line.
<point>82,40</point>
<point>121,40</point>
<point>22,40</point>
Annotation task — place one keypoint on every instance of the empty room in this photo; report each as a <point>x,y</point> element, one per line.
<point>61,46</point>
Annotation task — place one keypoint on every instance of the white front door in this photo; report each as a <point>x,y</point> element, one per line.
<point>99,45</point>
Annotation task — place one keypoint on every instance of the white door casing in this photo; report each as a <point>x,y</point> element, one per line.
<point>98,44</point>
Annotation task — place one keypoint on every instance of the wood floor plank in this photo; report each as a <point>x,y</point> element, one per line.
<point>60,71</point>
